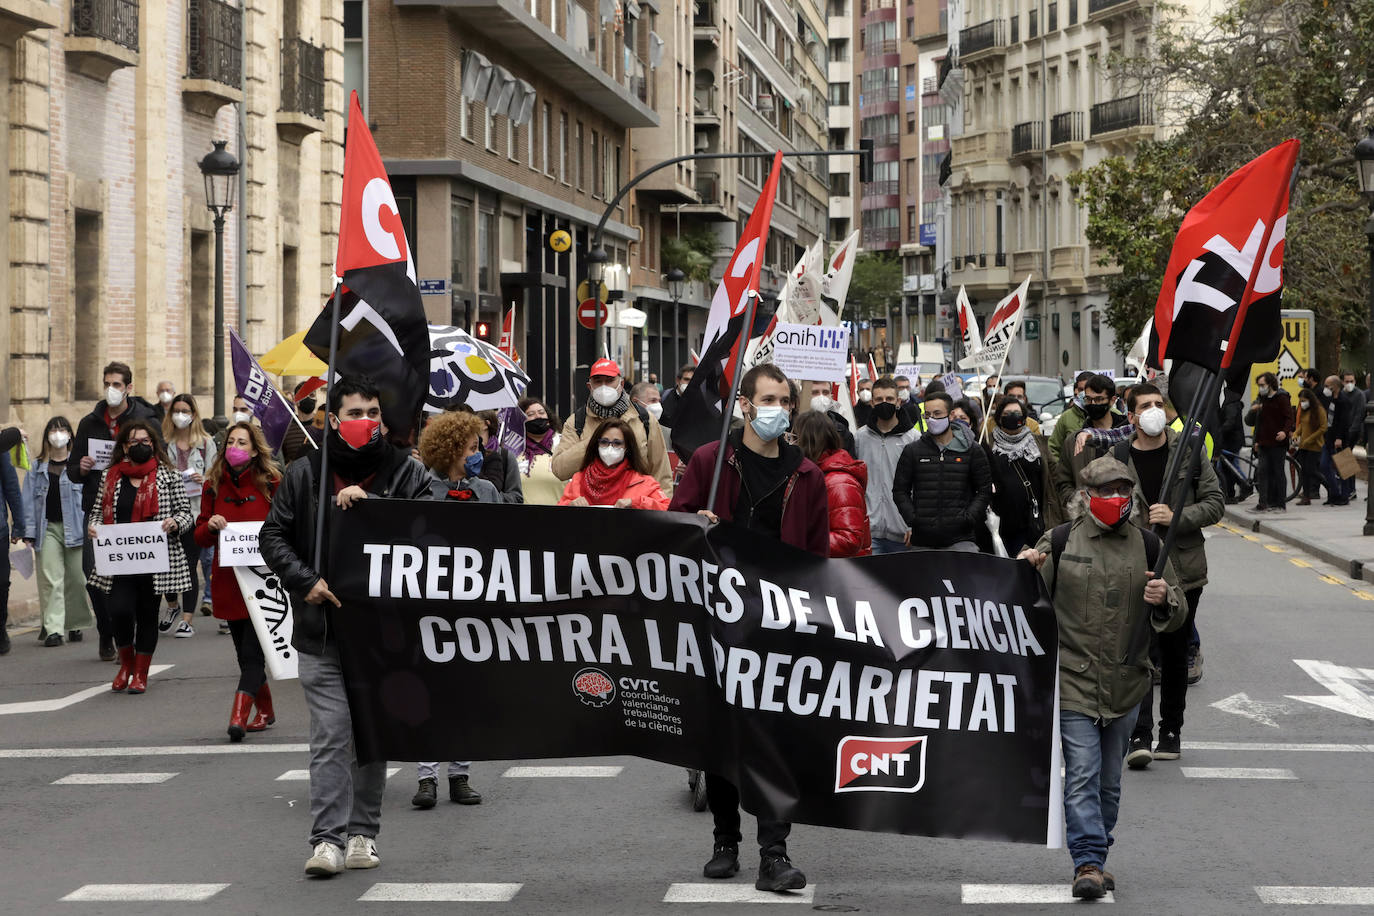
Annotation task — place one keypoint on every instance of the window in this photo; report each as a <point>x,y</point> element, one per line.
<point>461,225</point>
<point>465,118</point>
<point>598,177</point>
<point>910,27</point>
<point>911,230</point>
<point>546,136</point>
<point>488,129</point>
<point>839,93</point>
<point>355,52</point>
<point>563,142</point>
<point>580,159</point>
<point>486,251</point>
<point>750,170</point>
<point>839,184</point>
<point>512,146</point>
<point>839,50</point>
<point>911,122</point>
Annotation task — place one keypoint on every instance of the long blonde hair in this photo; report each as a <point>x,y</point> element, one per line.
<point>196,430</point>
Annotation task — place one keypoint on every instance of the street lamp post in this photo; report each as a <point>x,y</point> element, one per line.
<point>221,170</point>
<point>1364,167</point>
<point>677,285</point>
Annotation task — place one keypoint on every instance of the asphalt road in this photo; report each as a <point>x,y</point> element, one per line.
<point>1278,794</point>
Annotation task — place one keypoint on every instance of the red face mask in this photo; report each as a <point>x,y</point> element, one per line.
<point>358,433</point>
<point>1110,510</point>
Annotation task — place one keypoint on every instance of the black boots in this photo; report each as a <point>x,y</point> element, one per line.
<point>724,861</point>
<point>461,792</point>
<point>777,873</point>
<point>427,795</point>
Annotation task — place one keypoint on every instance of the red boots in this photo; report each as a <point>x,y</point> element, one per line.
<point>126,668</point>
<point>139,682</point>
<point>238,715</point>
<point>265,716</point>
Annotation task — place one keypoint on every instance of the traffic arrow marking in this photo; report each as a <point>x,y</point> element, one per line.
<point>1260,711</point>
<point>28,706</point>
<point>1352,689</point>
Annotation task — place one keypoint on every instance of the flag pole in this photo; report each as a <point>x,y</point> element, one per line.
<point>728,408</point>
<point>322,508</point>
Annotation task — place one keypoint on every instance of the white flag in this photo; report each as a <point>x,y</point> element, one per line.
<point>1002,329</point>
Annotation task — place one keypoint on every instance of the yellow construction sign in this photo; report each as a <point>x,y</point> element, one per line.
<point>1295,353</point>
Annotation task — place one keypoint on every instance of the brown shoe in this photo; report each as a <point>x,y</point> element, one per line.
<point>1108,881</point>
<point>1304,502</point>
<point>1087,882</point>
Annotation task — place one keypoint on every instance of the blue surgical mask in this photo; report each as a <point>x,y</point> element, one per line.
<point>937,425</point>
<point>770,422</point>
<point>472,464</point>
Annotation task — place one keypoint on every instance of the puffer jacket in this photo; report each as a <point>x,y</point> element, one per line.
<point>942,493</point>
<point>846,480</point>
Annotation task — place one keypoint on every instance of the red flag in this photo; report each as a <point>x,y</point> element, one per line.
<point>872,369</point>
<point>507,344</point>
<point>853,380</point>
<point>1227,261</point>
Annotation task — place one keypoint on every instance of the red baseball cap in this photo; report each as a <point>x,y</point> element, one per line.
<point>605,367</point>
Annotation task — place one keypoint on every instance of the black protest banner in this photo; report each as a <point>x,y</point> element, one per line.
<point>910,693</point>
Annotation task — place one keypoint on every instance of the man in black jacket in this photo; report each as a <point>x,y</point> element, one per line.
<point>671,400</point>
<point>344,797</point>
<point>94,441</point>
<point>943,482</point>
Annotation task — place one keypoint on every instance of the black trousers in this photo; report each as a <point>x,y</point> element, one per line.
<point>723,798</point>
<point>1173,677</point>
<point>190,599</point>
<point>252,664</point>
<point>133,605</point>
<point>99,600</point>
<point>1274,491</point>
<point>1311,473</point>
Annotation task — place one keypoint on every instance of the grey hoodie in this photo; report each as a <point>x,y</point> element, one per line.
<point>880,451</point>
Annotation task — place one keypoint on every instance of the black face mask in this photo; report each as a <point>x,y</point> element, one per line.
<point>537,427</point>
<point>885,410</point>
<point>306,407</point>
<point>1096,411</point>
<point>1011,422</point>
<point>140,452</point>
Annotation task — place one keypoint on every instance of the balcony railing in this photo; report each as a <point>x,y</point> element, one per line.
<point>880,188</point>
<point>887,235</point>
<point>1027,137</point>
<point>708,187</point>
<point>214,30</point>
<point>112,20</point>
<point>879,94</point>
<point>704,15</point>
<point>1098,6</point>
<point>884,46</point>
<point>1066,128</point>
<point>1119,114</point>
<point>704,102</point>
<point>983,36</point>
<point>883,140</point>
<point>302,77</point>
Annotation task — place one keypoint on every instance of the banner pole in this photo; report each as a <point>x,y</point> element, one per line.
<point>322,509</point>
<point>728,408</point>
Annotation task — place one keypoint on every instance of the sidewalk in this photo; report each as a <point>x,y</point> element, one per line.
<point>1331,533</point>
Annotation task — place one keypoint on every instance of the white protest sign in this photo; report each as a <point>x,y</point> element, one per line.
<point>954,385</point>
<point>238,544</point>
<point>269,608</point>
<point>910,371</point>
<point>100,451</point>
<point>813,352</point>
<point>131,550</point>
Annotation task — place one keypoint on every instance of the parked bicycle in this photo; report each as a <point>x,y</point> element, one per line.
<point>1242,469</point>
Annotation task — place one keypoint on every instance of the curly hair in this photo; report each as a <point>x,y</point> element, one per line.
<point>443,441</point>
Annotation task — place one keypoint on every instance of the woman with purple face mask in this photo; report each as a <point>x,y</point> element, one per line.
<point>238,488</point>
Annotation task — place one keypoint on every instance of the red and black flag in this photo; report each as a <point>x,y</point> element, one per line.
<point>1219,306</point>
<point>382,328</point>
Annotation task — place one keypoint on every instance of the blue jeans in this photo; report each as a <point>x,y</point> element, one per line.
<point>883,545</point>
<point>1093,754</point>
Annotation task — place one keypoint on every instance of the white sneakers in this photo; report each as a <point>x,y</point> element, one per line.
<point>362,852</point>
<point>184,631</point>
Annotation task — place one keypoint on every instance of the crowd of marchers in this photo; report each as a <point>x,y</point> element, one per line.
<point>918,470</point>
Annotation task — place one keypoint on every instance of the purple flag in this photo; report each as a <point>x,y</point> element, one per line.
<point>513,429</point>
<point>254,387</point>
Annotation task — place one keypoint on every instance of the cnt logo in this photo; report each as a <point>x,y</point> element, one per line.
<point>864,764</point>
<point>593,687</point>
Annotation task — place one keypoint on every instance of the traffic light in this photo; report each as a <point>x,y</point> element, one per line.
<point>484,330</point>
<point>865,159</point>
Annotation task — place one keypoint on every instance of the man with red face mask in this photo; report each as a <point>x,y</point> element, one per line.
<point>345,798</point>
<point>1107,601</point>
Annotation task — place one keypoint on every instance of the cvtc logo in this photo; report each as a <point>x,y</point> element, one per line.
<point>593,687</point>
<point>864,764</point>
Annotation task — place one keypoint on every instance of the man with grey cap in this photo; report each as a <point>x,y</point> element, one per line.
<point>1107,600</point>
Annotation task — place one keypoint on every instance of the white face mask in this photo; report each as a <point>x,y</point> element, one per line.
<point>1349,387</point>
<point>1264,391</point>
<point>610,455</point>
<point>113,396</point>
<point>242,417</point>
<point>903,394</point>
<point>1152,421</point>
<point>865,395</point>
<point>181,419</point>
<point>822,403</point>
<point>165,396</point>
<point>655,409</point>
<point>606,395</point>
<point>59,438</point>
<point>682,388</point>
<point>1326,392</point>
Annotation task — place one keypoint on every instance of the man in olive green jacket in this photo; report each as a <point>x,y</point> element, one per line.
<point>1107,602</point>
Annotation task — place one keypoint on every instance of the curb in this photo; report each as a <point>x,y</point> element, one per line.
<point>1362,570</point>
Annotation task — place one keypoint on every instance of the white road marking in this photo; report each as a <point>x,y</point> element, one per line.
<point>734,893</point>
<point>145,893</point>
<point>172,750</point>
<point>112,779</point>
<point>1261,711</point>
<point>1330,896</point>
<point>1347,694</point>
<point>1024,894</point>
<point>1279,746</point>
<point>31,706</point>
<point>304,775</point>
<point>1236,773</point>
<point>441,893</point>
<point>561,772</point>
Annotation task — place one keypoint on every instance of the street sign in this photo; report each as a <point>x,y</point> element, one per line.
<point>1295,353</point>
<point>1031,326</point>
<point>584,291</point>
<point>587,312</point>
<point>433,287</point>
<point>560,241</point>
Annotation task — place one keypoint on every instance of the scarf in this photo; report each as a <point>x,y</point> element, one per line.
<point>145,500</point>
<point>604,485</point>
<point>615,411</point>
<point>535,447</point>
<point>1020,445</point>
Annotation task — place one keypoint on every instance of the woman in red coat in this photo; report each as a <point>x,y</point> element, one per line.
<point>614,473</point>
<point>846,480</point>
<point>238,488</point>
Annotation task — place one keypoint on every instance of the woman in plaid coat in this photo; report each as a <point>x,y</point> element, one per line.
<point>141,485</point>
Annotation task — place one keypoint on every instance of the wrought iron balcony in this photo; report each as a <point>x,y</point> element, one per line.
<point>985,36</point>
<point>111,20</point>
<point>1104,9</point>
<point>214,38</point>
<point>1066,127</point>
<point>1120,114</point>
<point>302,77</point>
<point>1027,137</point>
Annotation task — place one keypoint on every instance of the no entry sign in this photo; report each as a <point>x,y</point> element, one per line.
<point>587,313</point>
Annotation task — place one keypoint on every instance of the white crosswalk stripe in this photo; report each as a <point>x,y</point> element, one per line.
<point>441,893</point>
<point>733,893</point>
<point>1236,773</point>
<point>112,779</point>
<point>304,775</point>
<point>1023,894</point>
<point>1316,896</point>
<point>144,893</point>
<point>562,772</point>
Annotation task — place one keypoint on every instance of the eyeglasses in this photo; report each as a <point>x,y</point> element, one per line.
<point>1104,399</point>
<point>1113,492</point>
<point>611,443</point>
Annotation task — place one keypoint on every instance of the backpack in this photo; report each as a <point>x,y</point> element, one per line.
<point>1059,538</point>
<point>580,418</point>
